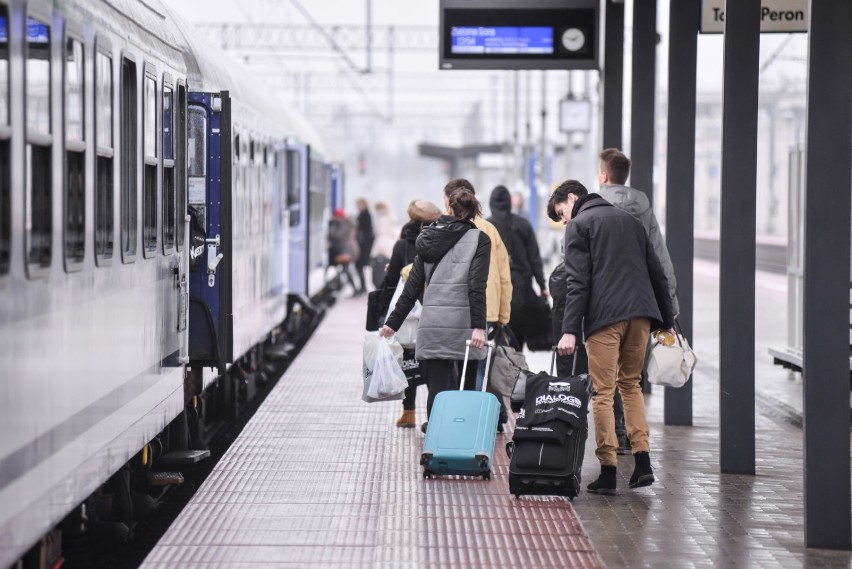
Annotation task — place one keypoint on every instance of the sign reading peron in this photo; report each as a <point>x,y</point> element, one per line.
<point>775,16</point>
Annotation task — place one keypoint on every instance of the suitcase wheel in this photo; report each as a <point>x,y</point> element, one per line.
<point>427,474</point>
<point>486,476</point>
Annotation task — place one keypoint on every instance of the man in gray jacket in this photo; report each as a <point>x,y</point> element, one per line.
<point>613,170</point>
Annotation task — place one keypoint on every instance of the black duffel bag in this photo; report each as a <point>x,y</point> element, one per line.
<point>378,303</point>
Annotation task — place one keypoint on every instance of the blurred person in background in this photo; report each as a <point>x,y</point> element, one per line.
<point>342,249</point>
<point>524,262</point>
<point>518,205</point>
<point>364,236</point>
<point>387,232</point>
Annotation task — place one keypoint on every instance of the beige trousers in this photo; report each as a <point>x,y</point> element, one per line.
<point>616,356</point>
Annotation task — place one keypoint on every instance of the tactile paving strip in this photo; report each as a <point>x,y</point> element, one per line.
<point>320,479</point>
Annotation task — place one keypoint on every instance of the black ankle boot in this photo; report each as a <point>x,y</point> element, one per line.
<point>642,473</point>
<point>605,484</point>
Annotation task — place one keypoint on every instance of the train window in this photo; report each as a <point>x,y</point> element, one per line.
<point>281,186</point>
<point>5,206</point>
<point>237,149</point>
<point>5,180</point>
<point>74,90</point>
<point>103,100</point>
<point>180,182</point>
<point>168,170</point>
<point>104,190</point>
<point>149,187</point>
<point>150,133</point>
<point>251,152</point>
<point>75,178</point>
<point>4,65</point>
<point>39,174</point>
<point>129,159</point>
<point>38,76</point>
<point>294,186</point>
<point>196,146</point>
<point>168,116</point>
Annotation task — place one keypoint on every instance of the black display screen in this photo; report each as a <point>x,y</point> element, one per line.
<point>534,38</point>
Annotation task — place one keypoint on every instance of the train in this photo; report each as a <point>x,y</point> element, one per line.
<point>163,227</point>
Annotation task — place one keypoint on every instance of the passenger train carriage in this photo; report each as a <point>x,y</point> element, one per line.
<point>158,216</point>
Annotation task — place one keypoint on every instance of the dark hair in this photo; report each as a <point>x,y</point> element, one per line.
<point>616,165</point>
<point>464,204</point>
<point>560,195</point>
<point>458,184</point>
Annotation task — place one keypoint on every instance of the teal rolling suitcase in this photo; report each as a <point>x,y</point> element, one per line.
<point>462,430</point>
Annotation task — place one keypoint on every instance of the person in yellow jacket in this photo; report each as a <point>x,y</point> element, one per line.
<point>498,293</point>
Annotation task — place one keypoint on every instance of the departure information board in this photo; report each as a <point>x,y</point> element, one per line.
<point>501,39</point>
<point>507,34</point>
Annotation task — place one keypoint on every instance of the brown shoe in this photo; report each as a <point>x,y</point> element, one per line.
<point>408,419</point>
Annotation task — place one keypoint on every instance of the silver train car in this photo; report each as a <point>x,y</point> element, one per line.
<point>161,221</point>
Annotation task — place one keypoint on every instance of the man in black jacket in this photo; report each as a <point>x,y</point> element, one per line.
<point>616,292</point>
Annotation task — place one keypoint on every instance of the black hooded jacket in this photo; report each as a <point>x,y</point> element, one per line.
<point>433,243</point>
<point>613,273</point>
<point>403,252</point>
<point>518,236</point>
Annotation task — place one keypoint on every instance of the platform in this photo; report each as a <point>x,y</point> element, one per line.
<point>320,479</point>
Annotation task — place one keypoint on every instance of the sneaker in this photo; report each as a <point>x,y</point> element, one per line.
<point>423,427</point>
<point>642,475</point>
<point>624,445</point>
<point>605,484</point>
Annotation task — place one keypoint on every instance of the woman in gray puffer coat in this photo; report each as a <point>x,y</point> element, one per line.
<point>450,273</point>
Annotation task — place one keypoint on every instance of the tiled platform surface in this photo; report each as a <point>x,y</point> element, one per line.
<point>320,479</point>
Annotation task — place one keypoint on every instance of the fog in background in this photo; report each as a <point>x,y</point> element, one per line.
<point>374,109</point>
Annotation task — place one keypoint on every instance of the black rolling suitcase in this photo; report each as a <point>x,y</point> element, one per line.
<point>547,448</point>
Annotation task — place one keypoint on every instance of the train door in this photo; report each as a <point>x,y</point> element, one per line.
<point>209,199</point>
<point>297,206</point>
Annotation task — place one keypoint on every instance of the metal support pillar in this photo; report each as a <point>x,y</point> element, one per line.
<point>680,179</point>
<point>613,74</point>
<point>737,239</point>
<point>642,116</point>
<point>826,282</point>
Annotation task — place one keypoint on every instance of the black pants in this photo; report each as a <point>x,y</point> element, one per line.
<point>410,399</point>
<point>441,375</point>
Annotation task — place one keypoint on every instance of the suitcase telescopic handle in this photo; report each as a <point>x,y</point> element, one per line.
<point>573,364</point>
<point>490,344</point>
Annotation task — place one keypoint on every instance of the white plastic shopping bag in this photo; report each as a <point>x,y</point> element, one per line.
<point>407,333</point>
<point>384,379</point>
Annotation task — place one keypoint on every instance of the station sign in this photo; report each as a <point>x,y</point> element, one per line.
<point>784,16</point>
<point>507,34</point>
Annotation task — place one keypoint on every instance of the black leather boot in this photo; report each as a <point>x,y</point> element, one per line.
<point>642,475</point>
<point>605,484</point>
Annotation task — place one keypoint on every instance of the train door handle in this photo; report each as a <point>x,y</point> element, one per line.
<point>213,258</point>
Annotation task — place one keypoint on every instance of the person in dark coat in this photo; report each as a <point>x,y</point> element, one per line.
<point>364,236</point>
<point>341,245</point>
<point>453,258</point>
<point>420,213</point>
<point>616,293</point>
<point>524,262</point>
